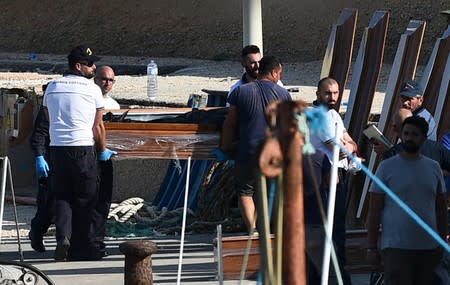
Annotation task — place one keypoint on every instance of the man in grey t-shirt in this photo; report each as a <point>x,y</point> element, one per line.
<point>409,254</point>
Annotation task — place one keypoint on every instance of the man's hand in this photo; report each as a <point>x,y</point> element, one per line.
<point>380,148</point>
<point>42,168</point>
<point>106,154</point>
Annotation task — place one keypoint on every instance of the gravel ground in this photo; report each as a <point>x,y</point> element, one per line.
<point>187,76</point>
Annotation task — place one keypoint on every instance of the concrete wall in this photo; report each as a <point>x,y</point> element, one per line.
<point>295,30</point>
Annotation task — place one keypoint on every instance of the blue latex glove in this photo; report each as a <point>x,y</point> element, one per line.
<point>41,166</point>
<point>106,154</point>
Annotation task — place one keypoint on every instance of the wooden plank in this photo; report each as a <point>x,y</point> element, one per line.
<point>437,91</point>
<point>403,68</point>
<point>234,249</point>
<point>366,74</point>
<point>362,91</point>
<point>162,140</point>
<point>443,104</point>
<point>162,127</point>
<point>338,55</point>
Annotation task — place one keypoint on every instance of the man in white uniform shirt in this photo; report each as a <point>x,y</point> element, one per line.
<point>77,138</point>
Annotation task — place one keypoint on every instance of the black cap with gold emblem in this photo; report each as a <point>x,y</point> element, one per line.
<point>82,53</point>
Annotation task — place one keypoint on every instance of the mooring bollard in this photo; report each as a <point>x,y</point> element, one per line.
<point>138,261</point>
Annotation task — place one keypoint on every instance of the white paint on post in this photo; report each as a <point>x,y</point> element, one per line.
<point>330,213</point>
<point>2,195</point>
<point>252,23</point>
<point>183,225</point>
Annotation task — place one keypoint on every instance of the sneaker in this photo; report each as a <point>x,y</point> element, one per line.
<point>62,248</point>
<point>36,241</point>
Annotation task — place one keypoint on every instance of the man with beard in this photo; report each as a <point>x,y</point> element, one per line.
<point>327,95</point>
<point>409,254</point>
<point>247,115</point>
<point>412,98</point>
<point>441,155</point>
<point>74,105</point>
<point>429,148</point>
<point>250,57</point>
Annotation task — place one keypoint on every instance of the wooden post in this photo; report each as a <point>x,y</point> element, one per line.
<point>290,143</point>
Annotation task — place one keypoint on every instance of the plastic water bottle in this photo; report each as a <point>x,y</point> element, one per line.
<point>152,80</point>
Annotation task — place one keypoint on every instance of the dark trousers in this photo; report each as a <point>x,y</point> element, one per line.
<point>74,181</point>
<point>339,224</point>
<point>45,207</point>
<point>100,214</point>
<point>410,267</point>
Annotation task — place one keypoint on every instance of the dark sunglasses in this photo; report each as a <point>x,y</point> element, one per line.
<point>87,63</point>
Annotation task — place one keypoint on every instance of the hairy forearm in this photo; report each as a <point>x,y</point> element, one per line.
<point>99,133</point>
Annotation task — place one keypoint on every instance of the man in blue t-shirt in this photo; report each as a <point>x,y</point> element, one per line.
<point>246,114</point>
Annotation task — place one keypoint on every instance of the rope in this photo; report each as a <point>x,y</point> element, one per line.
<point>126,209</point>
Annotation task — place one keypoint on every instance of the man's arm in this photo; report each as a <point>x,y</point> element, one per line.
<point>444,155</point>
<point>99,131</point>
<point>349,143</point>
<point>229,129</point>
<point>441,215</point>
<point>40,138</point>
<point>376,205</point>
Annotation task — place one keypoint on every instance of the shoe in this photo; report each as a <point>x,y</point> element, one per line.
<point>36,241</point>
<point>62,248</point>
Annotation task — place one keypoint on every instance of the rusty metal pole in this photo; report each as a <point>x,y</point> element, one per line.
<point>291,141</point>
<point>138,261</point>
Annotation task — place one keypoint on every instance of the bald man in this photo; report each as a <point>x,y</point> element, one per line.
<point>105,79</point>
<point>430,148</point>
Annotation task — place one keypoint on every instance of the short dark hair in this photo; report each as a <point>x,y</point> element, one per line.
<point>250,49</point>
<point>418,122</point>
<point>325,79</point>
<point>268,64</point>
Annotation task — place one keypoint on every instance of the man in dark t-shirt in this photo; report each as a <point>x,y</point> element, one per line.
<point>248,103</point>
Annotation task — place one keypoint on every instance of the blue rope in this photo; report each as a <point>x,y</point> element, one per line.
<point>397,200</point>
<point>272,191</point>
